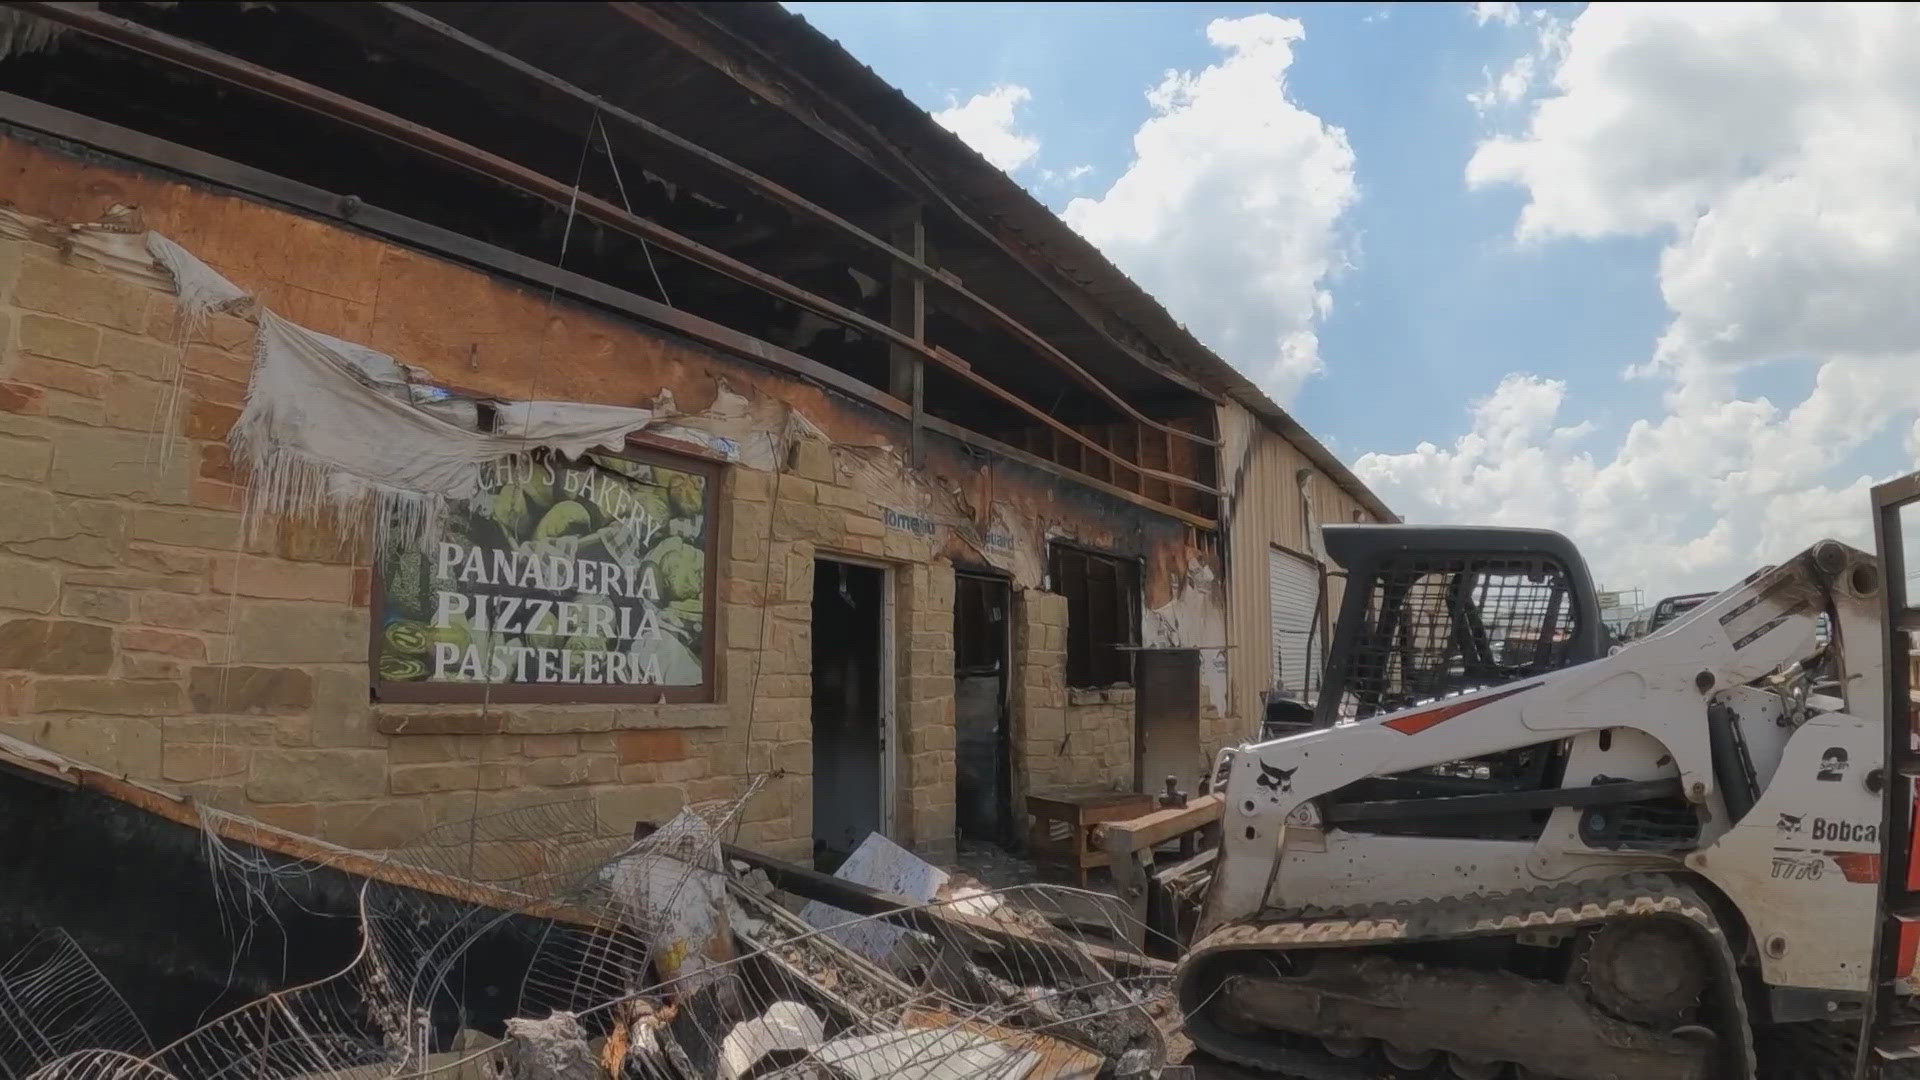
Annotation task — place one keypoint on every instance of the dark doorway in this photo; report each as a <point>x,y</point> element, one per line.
<point>983,773</point>
<point>849,707</point>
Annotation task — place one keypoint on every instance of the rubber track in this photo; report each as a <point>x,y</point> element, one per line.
<point>1547,908</point>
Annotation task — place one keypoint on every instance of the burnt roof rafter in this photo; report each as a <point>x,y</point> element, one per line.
<point>433,41</point>
<point>213,63</point>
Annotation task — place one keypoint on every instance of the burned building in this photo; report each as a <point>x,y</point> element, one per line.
<point>413,411</point>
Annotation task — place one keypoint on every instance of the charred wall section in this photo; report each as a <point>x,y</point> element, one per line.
<point>142,631</point>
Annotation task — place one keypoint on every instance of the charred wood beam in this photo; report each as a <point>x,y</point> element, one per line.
<point>663,25</point>
<point>70,133</point>
<point>902,252</point>
<point>249,76</point>
<point>1035,461</point>
<point>907,374</point>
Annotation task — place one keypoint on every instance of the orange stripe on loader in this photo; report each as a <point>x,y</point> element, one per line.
<point>1421,721</point>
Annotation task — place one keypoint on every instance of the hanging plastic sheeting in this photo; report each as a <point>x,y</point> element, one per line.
<point>201,289</point>
<point>330,428</point>
<point>319,435</point>
<point>753,431</point>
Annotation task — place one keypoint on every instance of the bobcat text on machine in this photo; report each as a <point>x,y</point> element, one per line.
<point>1502,853</point>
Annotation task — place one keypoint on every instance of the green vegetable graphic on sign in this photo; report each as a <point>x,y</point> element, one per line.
<point>563,573</point>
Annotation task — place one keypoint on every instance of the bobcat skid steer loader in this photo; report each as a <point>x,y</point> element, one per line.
<point>1505,855</point>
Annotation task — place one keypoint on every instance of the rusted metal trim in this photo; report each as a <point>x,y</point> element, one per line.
<point>27,116</point>
<point>907,260</point>
<point>305,95</point>
<point>1014,453</point>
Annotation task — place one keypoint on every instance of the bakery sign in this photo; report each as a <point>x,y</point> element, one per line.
<point>563,580</point>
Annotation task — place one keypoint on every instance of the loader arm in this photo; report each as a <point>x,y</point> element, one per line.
<point>1661,688</point>
<point>1691,891</point>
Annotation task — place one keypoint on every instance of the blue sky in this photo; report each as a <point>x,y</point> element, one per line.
<point>1438,297</point>
<point>1496,320</point>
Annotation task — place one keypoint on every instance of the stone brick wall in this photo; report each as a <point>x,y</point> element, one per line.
<point>1039,710</point>
<point>1100,731</point>
<point>1065,738</point>
<point>782,523</point>
<point>142,633</point>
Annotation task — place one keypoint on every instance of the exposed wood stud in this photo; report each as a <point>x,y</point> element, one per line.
<point>906,371</point>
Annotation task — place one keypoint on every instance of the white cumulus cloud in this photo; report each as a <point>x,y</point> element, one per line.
<point>1229,211</point>
<point>1771,149</point>
<point>987,122</point>
<point>1484,13</point>
<point>1517,81</point>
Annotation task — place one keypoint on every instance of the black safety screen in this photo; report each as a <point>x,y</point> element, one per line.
<point>1436,627</point>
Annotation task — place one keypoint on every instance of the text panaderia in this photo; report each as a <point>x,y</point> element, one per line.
<point>486,613</point>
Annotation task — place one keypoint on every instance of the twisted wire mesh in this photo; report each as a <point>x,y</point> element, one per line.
<point>54,1002</point>
<point>1437,627</point>
<point>653,958</point>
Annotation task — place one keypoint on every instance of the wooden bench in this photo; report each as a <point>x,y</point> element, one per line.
<point>1129,846</point>
<point>1061,832</point>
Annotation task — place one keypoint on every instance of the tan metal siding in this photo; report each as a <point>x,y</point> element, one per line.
<point>1267,512</point>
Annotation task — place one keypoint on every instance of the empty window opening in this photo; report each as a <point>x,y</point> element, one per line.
<point>1103,614</point>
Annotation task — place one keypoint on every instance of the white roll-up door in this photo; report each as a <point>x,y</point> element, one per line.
<point>1293,586</point>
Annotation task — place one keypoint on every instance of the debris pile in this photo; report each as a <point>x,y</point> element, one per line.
<point>673,956</point>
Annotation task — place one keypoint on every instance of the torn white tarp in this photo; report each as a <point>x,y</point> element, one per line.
<point>331,427</point>
<point>318,434</point>
<point>201,288</point>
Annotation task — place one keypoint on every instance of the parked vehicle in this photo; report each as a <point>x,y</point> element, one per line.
<point>1492,817</point>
